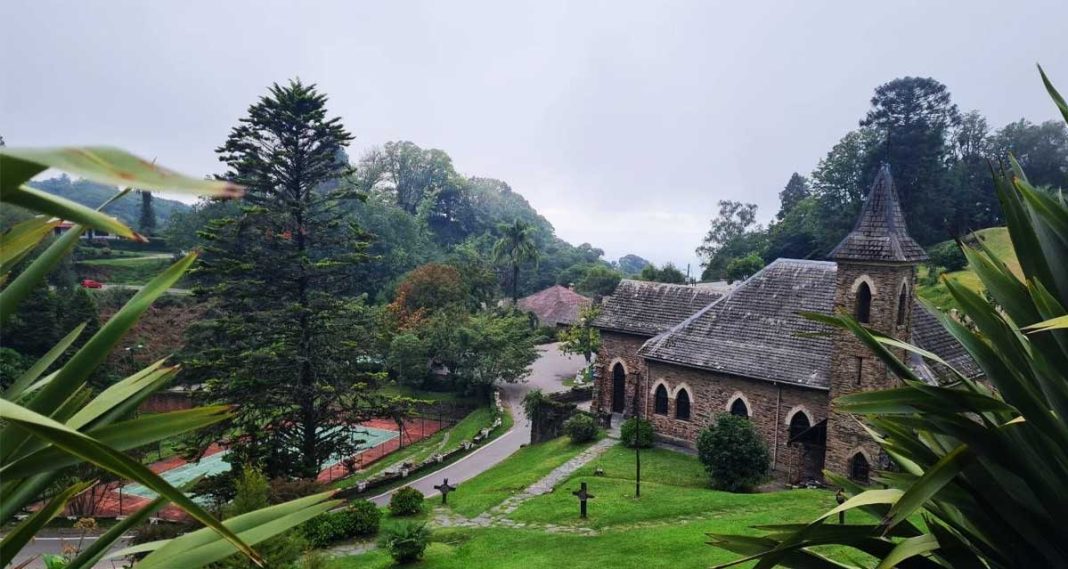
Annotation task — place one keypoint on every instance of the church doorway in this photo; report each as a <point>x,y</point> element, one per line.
<point>619,388</point>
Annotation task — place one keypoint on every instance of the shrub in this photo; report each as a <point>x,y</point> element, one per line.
<point>252,494</point>
<point>733,453</point>
<point>286,489</point>
<point>360,519</point>
<point>406,502</point>
<point>636,432</point>
<point>322,530</point>
<point>406,542</point>
<point>947,254</point>
<point>581,428</point>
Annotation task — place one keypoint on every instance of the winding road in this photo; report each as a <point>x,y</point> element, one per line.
<point>548,373</point>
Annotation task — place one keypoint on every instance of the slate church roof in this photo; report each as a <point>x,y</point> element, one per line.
<point>554,306</point>
<point>756,331</point>
<point>648,308</point>
<point>928,333</point>
<point>880,234</point>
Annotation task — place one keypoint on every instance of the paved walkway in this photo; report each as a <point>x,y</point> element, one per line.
<point>547,373</point>
<point>546,485</point>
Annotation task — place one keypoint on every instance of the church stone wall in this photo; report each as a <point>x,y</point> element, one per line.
<point>854,367</point>
<point>618,347</point>
<point>770,408</point>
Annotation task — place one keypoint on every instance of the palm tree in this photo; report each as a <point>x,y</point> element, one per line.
<point>516,246</point>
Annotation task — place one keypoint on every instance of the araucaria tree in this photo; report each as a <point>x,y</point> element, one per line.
<point>281,339</point>
<point>516,246</point>
<point>147,222</point>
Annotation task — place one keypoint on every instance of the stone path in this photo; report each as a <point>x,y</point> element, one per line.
<point>546,485</point>
<point>498,515</point>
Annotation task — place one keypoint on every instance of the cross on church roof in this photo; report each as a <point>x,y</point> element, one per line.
<point>880,234</point>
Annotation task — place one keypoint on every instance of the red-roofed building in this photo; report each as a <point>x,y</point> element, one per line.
<point>555,306</point>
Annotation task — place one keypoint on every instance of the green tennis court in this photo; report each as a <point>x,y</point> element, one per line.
<point>216,463</point>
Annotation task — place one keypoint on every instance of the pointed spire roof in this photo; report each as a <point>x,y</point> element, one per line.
<point>880,234</point>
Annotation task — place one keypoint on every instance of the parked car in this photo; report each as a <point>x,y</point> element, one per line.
<point>90,283</point>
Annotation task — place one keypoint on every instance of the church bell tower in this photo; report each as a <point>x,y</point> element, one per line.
<point>876,278</point>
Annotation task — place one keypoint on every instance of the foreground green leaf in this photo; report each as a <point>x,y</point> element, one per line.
<point>90,450</point>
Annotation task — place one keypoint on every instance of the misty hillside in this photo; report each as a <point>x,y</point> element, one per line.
<point>92,194</point>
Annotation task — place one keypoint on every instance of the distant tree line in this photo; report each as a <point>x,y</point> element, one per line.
<point>940,159</point>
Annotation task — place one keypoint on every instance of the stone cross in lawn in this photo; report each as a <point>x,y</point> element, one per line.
<point>444,488</point>
<point>582,494</point>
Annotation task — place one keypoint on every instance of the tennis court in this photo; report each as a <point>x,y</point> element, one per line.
<point>368,437</point>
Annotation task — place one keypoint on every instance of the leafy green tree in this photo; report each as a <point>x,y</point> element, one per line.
<point>744,267</point>
<point>408,358</point>
<point>492,349</point>
<point>796,190</point>
<point>147,221</point>
<point>731,235</point>
<point>976,201</point>
<point>631,264</point>
<point>581,338</point>
<point>515,246</point>
<point>598,281</point>
<point>801,234</point>
<point>669,273</point>
<point>280,336</point>
<point>1041,150</point>
<point>947,255</point>
<point>573,274</point>
<point>733,453</point>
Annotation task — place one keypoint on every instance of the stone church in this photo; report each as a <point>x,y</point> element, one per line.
<point>679,355</point>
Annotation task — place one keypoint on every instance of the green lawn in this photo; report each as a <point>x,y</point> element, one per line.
<point>999,242</point>
<point>522,469</point>
<point>673,485</point>
<point>664,529</point>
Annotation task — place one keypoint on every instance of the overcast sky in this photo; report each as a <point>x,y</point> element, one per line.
<point>622,122</point>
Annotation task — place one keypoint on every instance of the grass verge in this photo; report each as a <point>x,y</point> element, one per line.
<point>528,465</point>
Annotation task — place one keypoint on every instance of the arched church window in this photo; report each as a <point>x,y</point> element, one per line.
<point>863,303</point>
<point>902,304</point>
<point>739,409</point>
<point>660,400</point>
<point>682,405</point>
<point>619,388</point>
<point>859,469</point>
<point>799,423</point>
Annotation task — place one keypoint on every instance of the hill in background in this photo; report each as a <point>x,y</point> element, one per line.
<point>92,194</point>
<point>995,238</point>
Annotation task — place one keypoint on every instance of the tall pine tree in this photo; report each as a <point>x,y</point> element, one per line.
<point>147,222</point>
<point>282,340</point>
